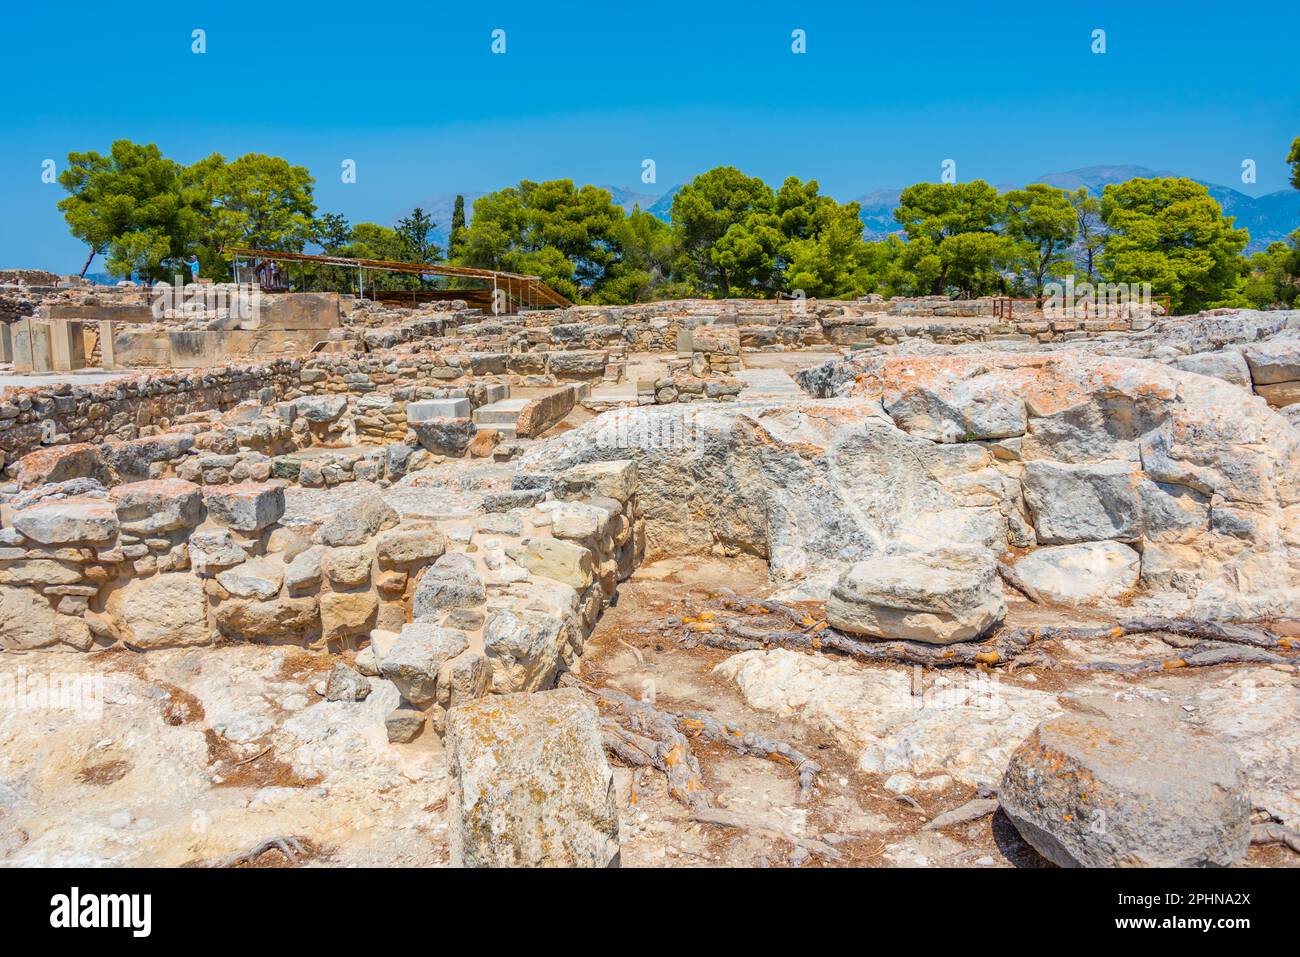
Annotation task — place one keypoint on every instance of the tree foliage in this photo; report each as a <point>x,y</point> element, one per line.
<point>956,244</point>
<point>729,234</point>
<point>1043,223</point>
<point>128,205</point>
<point>1171,233</point>
<point>563,234</point>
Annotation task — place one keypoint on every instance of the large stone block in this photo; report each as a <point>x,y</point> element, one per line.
<point>26,619</point>
<point>530,784</point>
<point>247,507</point>
<point>282,619</point>
<point>1227,365</point>
<point>258,578</point>
<point>1083,503</point>
<point>67,345</point>
<point>615,479</point>
<point>357,523</point>
<point>59,463</point>
<point>933,598</point>
<point>321,409</point>
<point>346,615</point>
<point>444,436</point>
<point>414,660</point>
<point>525,649</point>
<point>1274,361</point>
<point>158,505</point>
<point>426,409</point>
<point>69,521</point>
<point>132,459</point>
<point>160,611</point>
<point>452,582</point>
<point>554,558</point>
<point>1087,572</point>
<point>410,544</point>
<point>1116,791</point>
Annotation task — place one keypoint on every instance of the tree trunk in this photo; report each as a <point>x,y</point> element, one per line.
<point>87,266</point>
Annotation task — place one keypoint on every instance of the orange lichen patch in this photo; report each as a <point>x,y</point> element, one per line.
<point>1174,663</point>
<point>988,657</point>
<point>1048,384</point>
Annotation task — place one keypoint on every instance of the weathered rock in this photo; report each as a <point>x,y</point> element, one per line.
<point>964,726</point>
<point>1083,503</point>
<point>259,578</point>
<point>404,724</point>
<point>69,521</point>
<point>530,784</point>
<point>131,460</point>
<point>357,523</point>
<point>344,684</point>
<point>321,409</point>
<point>72,488</point>
<point>1275,361</point>
<point>483,443</point>
<point>578,521</point>
<point>1227,365</point>
<point>1094,791</point>
<point>1280,394</point>
<point>158,505</point>
<point>247,507</point>
<point>453,581</point>
<point>26,619</point>
<point>616,479</point>
<point>1091,572</point>
<point>347,615</point>
<point>468,677</point>
<point>58,463</point>
<point>160,611</point>
<point>305,569</point>
<point>554,558</point>
<point>283,619</point>
<point>525,649</point>
<point>214,549</point>
<point>410,545</point>
<point>416,657</point>
<point>959,410</point>
<point>918,598</point>
<point>347,567</point>
<point>444,436</point>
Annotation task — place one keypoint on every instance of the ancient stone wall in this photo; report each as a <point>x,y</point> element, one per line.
<point>500,604</point>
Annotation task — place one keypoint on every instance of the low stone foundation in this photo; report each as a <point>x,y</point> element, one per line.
<point>166,563</point>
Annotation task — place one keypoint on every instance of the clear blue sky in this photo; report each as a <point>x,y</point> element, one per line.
<point>412,93</point>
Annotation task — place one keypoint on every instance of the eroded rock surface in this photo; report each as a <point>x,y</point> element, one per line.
<point>530,784</point>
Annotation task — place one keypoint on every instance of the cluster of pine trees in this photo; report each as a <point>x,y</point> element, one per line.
<point>729,234</point>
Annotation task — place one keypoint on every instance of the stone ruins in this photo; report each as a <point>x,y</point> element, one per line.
<point>881,583</point>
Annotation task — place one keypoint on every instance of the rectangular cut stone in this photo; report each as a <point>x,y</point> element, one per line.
<point>615,480</point>
<point>426,409</point>
<point>67,345</point>
<point>247,507</point>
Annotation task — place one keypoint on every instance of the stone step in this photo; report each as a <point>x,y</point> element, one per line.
<point>496,414</point>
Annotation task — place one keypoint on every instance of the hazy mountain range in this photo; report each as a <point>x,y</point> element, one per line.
<point>1270,218</point>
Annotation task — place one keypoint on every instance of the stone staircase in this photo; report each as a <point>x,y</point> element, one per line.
<point>502,415</point>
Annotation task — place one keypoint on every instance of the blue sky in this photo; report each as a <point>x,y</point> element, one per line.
<point>413,94</point>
